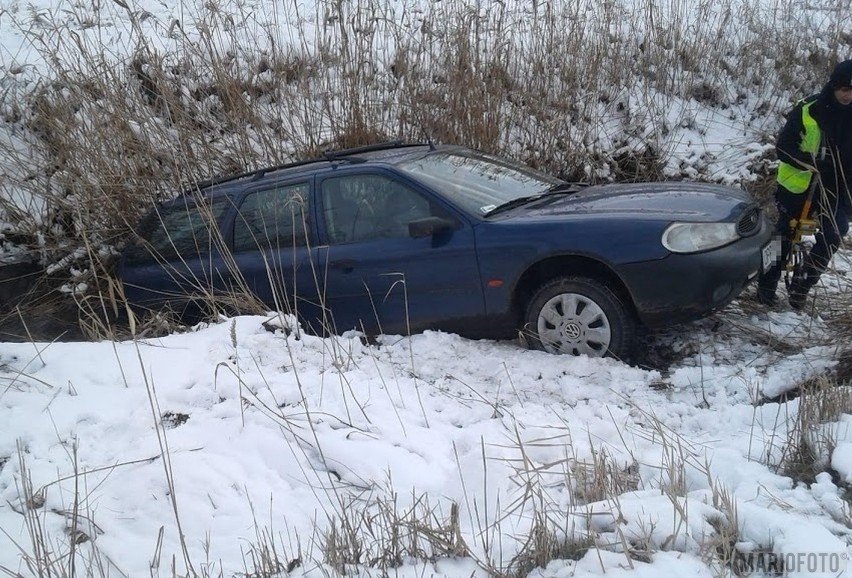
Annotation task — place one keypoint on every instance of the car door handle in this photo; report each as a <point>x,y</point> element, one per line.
<point>345,265</point>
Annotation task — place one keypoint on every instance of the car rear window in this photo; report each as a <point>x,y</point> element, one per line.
<point>177,232</point>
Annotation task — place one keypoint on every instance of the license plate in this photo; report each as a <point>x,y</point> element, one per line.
<point>769,255</point>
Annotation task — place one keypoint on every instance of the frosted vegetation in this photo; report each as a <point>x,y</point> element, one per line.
<point>109,106</point>
<point>247,449</point>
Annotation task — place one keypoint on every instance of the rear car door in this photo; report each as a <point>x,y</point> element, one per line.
<point>274,251</point>
<point>380,279</point>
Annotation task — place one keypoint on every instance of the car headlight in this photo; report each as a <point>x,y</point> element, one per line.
<point>697,237</point>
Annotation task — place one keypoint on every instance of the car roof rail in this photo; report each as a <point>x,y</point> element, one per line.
<point>336,154</point>
<point>328,155</point>
<point>332,155</point>
<point>255,174</point>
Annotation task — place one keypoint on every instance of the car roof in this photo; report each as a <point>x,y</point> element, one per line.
<point>392,152</point>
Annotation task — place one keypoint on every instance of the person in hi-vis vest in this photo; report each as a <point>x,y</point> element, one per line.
<point>815,153</point>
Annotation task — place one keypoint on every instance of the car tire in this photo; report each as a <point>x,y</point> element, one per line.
<point>580,315</point>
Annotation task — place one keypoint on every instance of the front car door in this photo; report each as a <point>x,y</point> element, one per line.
<point>380,279</point>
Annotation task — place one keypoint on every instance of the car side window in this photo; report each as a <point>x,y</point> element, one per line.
<point>180,231</point>
<point>274,218</point>
<point>366,207</point>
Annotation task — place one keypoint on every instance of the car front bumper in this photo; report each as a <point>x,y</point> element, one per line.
<point>682,288</point>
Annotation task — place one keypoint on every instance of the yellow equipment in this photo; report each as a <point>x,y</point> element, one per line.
<point>805,225</point>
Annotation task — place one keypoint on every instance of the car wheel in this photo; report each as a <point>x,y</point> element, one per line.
<point>578,315</point>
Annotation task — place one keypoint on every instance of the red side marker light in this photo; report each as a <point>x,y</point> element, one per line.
<point>495,283</point>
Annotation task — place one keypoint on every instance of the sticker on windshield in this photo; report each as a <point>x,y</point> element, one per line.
<point>487,209</point>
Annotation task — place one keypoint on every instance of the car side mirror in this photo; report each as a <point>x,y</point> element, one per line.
<point>430,226</point>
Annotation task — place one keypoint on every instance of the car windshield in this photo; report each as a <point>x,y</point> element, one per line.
<point>476,182</point>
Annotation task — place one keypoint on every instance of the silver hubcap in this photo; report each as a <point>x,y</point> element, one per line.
<point>572,323</point>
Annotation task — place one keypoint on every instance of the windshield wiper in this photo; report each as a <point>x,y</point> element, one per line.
<point>514,203</point>
<point>562,188</point>
<point>557,189</point>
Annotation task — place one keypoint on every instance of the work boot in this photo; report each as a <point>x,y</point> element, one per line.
<point>766,287</point>
<point>800,285</point>
<point>798,294</point>
<point>766,296</point>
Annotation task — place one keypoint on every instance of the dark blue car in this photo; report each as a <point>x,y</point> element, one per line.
<point>396,238</point>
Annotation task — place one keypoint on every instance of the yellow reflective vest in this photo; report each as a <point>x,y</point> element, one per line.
<point>791,177</point>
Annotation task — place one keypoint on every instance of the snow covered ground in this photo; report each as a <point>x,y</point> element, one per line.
<point>195,450</point>
<point>233,430</point>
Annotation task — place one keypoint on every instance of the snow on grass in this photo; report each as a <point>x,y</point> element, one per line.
<point>197,449</point>
<point>287,433</point>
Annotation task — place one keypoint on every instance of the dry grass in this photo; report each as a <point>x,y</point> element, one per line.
<point>379,533</point>
<point>585,91</point>
<point>590,91</point>
<point>812,438</point>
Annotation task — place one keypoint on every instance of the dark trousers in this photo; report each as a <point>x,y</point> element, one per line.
<point>833,226</point>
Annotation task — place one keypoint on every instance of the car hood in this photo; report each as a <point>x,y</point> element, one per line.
<point>692,202</point>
